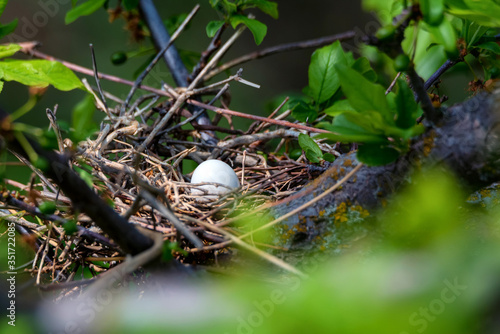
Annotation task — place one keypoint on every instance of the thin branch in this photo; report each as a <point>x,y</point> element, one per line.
<point>161,39</point>
<point>215,43</point>
<point>183,97</point>
<point>417,85</point>
<point>164,211</point>
<point>313,43</point>
<point>98,82</point>
<point>445,67</point>
<point>80,69</point>
<point>161,54</point>
<point>257,118</point>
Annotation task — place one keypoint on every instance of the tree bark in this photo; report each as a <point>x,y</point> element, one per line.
<point>466,142</point>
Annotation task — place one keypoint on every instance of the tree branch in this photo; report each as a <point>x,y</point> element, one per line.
<point>312,43</point>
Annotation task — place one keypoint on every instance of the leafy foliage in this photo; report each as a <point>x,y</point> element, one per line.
<point>233,14</point>
<point>37,73</point>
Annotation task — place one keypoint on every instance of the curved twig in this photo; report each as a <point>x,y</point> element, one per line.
<point>313,43</point>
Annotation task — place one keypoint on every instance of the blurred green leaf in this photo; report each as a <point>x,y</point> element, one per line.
<point>258,29</point>
<point>346,129</point>
<point>84,9</point>
<point>302,111</point>
<point>312,150</point>
<point>174,22</point>
<point>213,27</point>
<point>39,73</point>
<point>433,11</point>
<point>130,4</point>
<point>226,7</point>
<point>86,176</point>
<point>82,115</point>
<point>407,108</point>
<point>6,29</point>
<point>436,215</point>
<point>362,65</point>
<point>268,7</point>
<point>323,78</point>
<point>472,32</point>
<point>70,227</point>
<point>8,50</point>
<point>339,107</point>
<point>445,35</point>
<point>490,46</point>
<point>484,12</point>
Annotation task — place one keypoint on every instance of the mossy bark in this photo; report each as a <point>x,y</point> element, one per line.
<point>466,142</point>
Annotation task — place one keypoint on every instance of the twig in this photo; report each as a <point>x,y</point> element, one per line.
<point>51,115</point>
<point>313,43</point>
<point>86,71</point>
<point>445,67</point>
<point>205,55</point>
<point>280,263</point>
<point>161,39</point>
<point>183,97</point>
<point>162,209</point>
<point>96,77</point>
<point>83,198</point>
<point>128,266</point>
<point>161,54</point>
<point>417,84</point>
<point>307,204</point>
<point>257,118</point>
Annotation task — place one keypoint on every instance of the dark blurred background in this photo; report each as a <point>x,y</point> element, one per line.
<point>43,21</point>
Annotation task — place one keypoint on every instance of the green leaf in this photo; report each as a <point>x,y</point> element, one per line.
<point>338,108</point>
<point>345,130</point>
<point>84,9</point>
<point>472,32</point>
<point>268,7</point>
<point>8,50</point>
<point>70,227</point>
<point>213,27</point>
<point>302,111</point>
<point>1,85</point>
<point>8,28</point>
<point>362,65</point>
<point>86,176</point>
<point>323,78</point>
<point>484,12</point>
<point>82,116</point>
<point>130,4</point>
<point>224,6</point>
<point>445,35</point>
<point>406,106</point>
<point>376,154</point>
<point>490,46</point>
<point>258,29</point>
<point>3,3</point>
<point>174,22</point>
<point>39,73</point>
<point>362,94</point>
<point>328,157</point>
<point>433,11</point>
<point>312,150</point>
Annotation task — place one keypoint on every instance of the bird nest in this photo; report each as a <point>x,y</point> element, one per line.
<point>150,187</point>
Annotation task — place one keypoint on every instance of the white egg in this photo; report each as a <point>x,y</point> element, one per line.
<point>214,171</point>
